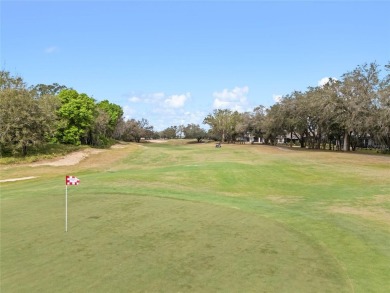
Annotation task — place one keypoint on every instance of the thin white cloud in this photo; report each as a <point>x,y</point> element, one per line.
<point>163,111</point>
<point>158,95</point>
<point>194,117</point>
<point>177,101</point>
<point>179,117</point>
<point>235,99</point>
<point>151,98</point>
<point>323,81</point>
<point>135,99</point>
<point>277,98</point>
<point>128,112</point>
<point>51,49</point>
<point>161,100</point>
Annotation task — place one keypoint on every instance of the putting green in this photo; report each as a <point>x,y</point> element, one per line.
<point>122,243</point>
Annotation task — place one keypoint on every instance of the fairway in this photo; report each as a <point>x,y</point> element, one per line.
<point>187,217</point>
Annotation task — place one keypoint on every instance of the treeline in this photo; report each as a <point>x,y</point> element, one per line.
<point>39,114</point>
<point>36,115</point>
<point>342,114</point>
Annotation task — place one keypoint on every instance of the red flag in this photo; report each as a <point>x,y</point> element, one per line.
<point>71,180</point>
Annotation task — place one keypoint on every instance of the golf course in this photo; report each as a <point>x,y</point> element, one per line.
<point>179,216</point>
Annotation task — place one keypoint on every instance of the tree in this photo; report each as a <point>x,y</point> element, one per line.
<point>41,90</point>
<point>100,128</point>
<point>135,130</point>
<point>120,129</point>
<point>347,112</point>
<point>180,131</point>
<point>76,115</point>
<point>257,127</point>
<point>147,129</point>
<point>24,121</point>
<point>274,123</point>
<point>19,120</point>
<point>325,108</point>
<point>356,100</point>
<point>7,81</point>
<point>49,106</point>
<point>194,131</point>
<point>244,126</point>
<point>223,124</point>
<point>292,116</point>
<point>169,132</point>
<point>114,113</point>
<point>381,117</point>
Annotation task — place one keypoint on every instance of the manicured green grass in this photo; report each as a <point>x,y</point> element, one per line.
<point>177,217</point>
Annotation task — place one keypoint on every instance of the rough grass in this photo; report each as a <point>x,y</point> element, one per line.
<point>178,217</point>
<point>37,153</point>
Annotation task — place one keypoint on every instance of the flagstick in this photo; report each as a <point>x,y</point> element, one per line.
<point>66,208</point>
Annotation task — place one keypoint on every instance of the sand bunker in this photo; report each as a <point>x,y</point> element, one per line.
<point>17,179</point>
<point>70,159</point>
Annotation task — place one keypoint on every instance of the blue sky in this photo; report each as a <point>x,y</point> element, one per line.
<point>173,62</point>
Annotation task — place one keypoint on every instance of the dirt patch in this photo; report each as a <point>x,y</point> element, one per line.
<point>158,140</point>
<point>381,198</point>
<point>69,160</point>
<point>370,213</point>
<point>284,149</point>
<point>284,199</point>
<point>18,179</point>
<point>118,146</point>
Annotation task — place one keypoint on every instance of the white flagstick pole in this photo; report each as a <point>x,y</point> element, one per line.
<point>66,208</point>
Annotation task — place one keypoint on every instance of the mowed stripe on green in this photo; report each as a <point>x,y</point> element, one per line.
<point>185,217</point>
